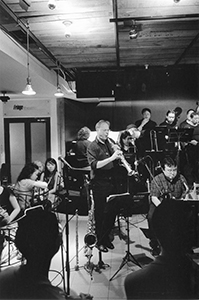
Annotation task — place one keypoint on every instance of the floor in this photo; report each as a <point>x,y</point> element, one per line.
<point>101,277</point>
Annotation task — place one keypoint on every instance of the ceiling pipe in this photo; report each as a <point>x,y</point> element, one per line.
<point>157,18</point>
<point>33,37</point>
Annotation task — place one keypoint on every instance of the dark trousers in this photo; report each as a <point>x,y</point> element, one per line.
<point>104,217</point>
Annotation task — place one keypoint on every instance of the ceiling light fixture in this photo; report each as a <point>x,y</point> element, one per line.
<point>133,33</point>
<point>51,4</point>
<point>67,24</point>
<point>59,92</point>
<point>28,89</point>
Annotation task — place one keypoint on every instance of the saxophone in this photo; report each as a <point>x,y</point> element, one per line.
<point>90,238</point>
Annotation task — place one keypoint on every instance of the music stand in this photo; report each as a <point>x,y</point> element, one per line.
<point>126,211</point>
<point>179,135</point>
<point>85,170</point>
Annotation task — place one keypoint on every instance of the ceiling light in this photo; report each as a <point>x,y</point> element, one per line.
<point>133,34</point>
<point>51,4</point>
<point>59,92</point>
<point>28,89</point>
<point>67,24</point>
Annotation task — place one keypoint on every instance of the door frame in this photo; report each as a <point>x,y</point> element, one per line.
<point>27,128</point>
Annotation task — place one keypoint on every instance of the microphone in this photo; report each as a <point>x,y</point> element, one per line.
<point>140,161</point>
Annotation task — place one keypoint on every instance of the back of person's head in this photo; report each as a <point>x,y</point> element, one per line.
<point>37,236</point>
<point>27,171</point>
<point>173,225</point>
<point>83,133</point>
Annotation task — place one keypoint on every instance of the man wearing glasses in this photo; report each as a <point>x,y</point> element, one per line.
<point>169,184</point>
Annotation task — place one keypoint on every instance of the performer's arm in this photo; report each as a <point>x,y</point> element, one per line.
<point>104,162</point>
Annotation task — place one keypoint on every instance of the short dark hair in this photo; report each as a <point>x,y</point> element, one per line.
<point>37,236</point>
<point>146,109</point>
<point>170,111</point>
<point>169,161</point>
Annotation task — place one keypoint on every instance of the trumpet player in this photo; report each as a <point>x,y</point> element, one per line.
<point>102,158</point>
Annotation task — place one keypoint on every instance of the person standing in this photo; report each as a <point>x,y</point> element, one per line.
<point>145,125</point>
<point>101,157</point>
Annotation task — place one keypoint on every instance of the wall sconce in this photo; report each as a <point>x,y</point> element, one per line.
<point>28,89</point>
<point>59,92</point>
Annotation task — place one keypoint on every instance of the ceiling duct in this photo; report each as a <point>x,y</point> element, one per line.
<point>25,4</point>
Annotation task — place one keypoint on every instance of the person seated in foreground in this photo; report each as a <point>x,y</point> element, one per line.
<point>167,184</point>
<point>38,239</point>
<point>26,184</point>
<point>170,275</point>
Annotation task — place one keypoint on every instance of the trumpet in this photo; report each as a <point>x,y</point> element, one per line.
<point>124,163</point>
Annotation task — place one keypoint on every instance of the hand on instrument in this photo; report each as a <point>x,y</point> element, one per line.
<point>116,155</point>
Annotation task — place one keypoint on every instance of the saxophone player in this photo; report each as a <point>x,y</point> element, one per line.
<point>102,157</point>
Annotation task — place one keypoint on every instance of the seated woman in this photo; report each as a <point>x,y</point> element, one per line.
<point>24,188</point>
<point>9,209</point>
<point>51,177</point>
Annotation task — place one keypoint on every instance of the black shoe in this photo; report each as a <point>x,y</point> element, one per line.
<point>109,245</point>
<point>102,248</point>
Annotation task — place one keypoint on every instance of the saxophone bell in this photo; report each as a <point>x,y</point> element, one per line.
<point>90,239</point>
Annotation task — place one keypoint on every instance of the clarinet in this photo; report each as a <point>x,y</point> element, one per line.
<point>124,163</point>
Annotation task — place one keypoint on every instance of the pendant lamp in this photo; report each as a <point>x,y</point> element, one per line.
<point>28,89</point>
<point>59,92</point>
